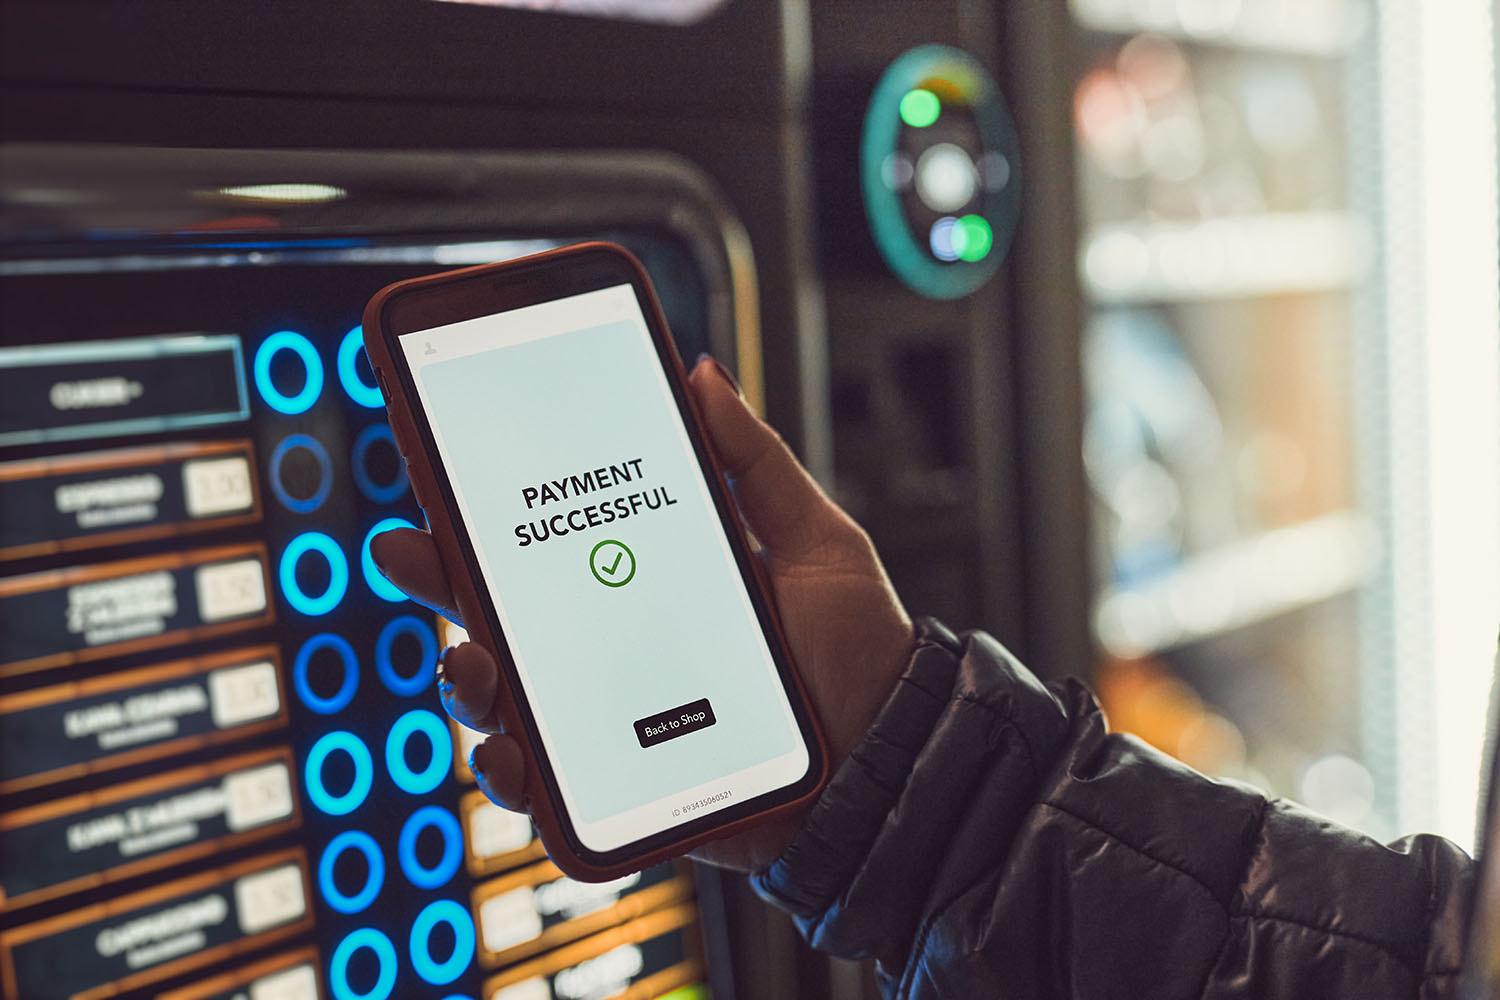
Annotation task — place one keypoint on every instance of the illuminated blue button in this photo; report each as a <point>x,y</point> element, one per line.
<point>422,632</point>
<point>406,847</point>
<point>442,911</point>
<point>340,698</point>
<point>338,573</point>
<point>338,966</point>
<point>311,445</point>
<point>312,387</point>
<point>374,863</point>
<point>377,493</point>
<point>359,788</point>
<point>358,389</point>
<point>382,588</point>
<point>423,781</point>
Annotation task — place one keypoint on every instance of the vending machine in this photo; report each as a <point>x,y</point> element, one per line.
<point>1286,248</point>
<point>223,771</point>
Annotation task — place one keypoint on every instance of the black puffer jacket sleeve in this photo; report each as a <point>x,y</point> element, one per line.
<point>989,838</point>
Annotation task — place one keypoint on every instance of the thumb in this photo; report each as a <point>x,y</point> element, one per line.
<point>780,501</point>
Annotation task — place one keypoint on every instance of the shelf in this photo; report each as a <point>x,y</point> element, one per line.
<point>1233,257</point>
<point>1297,27</point>
<point>1249,581</point>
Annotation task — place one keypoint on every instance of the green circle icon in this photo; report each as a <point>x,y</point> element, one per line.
<point>612,563</point>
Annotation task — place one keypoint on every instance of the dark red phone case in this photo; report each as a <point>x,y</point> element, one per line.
<point>379,346</point>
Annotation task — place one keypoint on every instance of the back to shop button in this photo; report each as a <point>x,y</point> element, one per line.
<point>674,722</point>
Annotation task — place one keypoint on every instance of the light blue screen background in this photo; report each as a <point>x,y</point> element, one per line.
<point>600,657</point>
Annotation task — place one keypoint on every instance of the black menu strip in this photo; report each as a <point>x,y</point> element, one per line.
<point>58,617</point>
<point>110,948</point>
<point>292,976</point>
<point>85,727</point>
<point>107,388</point>
<point>98,837</point>
<point>77,502</point>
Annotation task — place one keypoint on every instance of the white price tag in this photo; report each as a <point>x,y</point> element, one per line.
<point>258,796</point>
<point>231,590</point>
<point>217,486</point>
<point>494,831</point>
<point>297,983</point>
<point>269,898</point>
<point>531,989</point>
<point>241,694</point>
<point>508,919</point>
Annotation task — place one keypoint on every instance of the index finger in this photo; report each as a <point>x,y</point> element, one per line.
<point>408,557</point>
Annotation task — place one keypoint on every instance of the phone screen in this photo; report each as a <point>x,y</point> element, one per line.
<point>654,691</point>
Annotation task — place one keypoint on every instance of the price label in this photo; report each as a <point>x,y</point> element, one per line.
<point>239,694</point>
<point>258,796</point>
<point>531,989</point>
<point>509,918</point>
<point>267,899</point>
<point>230,590</point>
<point>217,486</point>
<point>299,983</point>
<point>494,831</point>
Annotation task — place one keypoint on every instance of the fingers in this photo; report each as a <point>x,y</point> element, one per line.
<point>409,559</point>
<point>500,772</point>
<point>468,680</point>
<point>782,504</point>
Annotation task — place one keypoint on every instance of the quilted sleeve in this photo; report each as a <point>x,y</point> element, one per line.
<point>990,838</point>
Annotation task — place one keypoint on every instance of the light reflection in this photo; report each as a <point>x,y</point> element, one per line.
<point>285,192</point>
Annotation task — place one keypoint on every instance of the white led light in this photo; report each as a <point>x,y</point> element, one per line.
<point>946,177</point>
<point>285,192</point>
<point>897,171</point>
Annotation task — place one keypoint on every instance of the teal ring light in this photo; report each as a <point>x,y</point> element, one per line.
<point>908,257</point>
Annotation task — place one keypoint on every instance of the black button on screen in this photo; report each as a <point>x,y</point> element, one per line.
<point>674,722</point>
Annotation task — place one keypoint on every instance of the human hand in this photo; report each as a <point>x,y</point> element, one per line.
<point>848,633</point>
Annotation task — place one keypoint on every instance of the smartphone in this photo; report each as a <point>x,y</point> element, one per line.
<point>594,549</point>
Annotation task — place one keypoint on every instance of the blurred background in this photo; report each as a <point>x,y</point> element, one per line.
<point>1160,338</point>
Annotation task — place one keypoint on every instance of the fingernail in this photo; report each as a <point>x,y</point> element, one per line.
<point>474,767</point>
<point>723,374</point>
<point>375,555</point>
<point>444,685</point>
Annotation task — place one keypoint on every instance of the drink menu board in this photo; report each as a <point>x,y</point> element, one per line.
<point>224,771</point>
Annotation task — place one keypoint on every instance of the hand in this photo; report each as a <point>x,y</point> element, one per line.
<point>848,632</point>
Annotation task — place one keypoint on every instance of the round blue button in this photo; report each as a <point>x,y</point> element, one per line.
<point>358,389</point>
<point>438,739</point>
<point>359,788</point>
<point>338,966</point>
<point>418,629</point>
<point>312,446</point>
<point>312,387</point>
<point>340,699</point>
<point>453,846</point>
<point>379,585</point>
<point>442,911</point>
<point>358,464</point>
<point>338,573</point>
<point>374,863</point>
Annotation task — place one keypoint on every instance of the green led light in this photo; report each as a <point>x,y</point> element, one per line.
<point>920,108</point>
<point>693,991</point>
<point>977,238</point>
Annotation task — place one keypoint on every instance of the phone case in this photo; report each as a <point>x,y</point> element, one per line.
<point>539,800</point>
